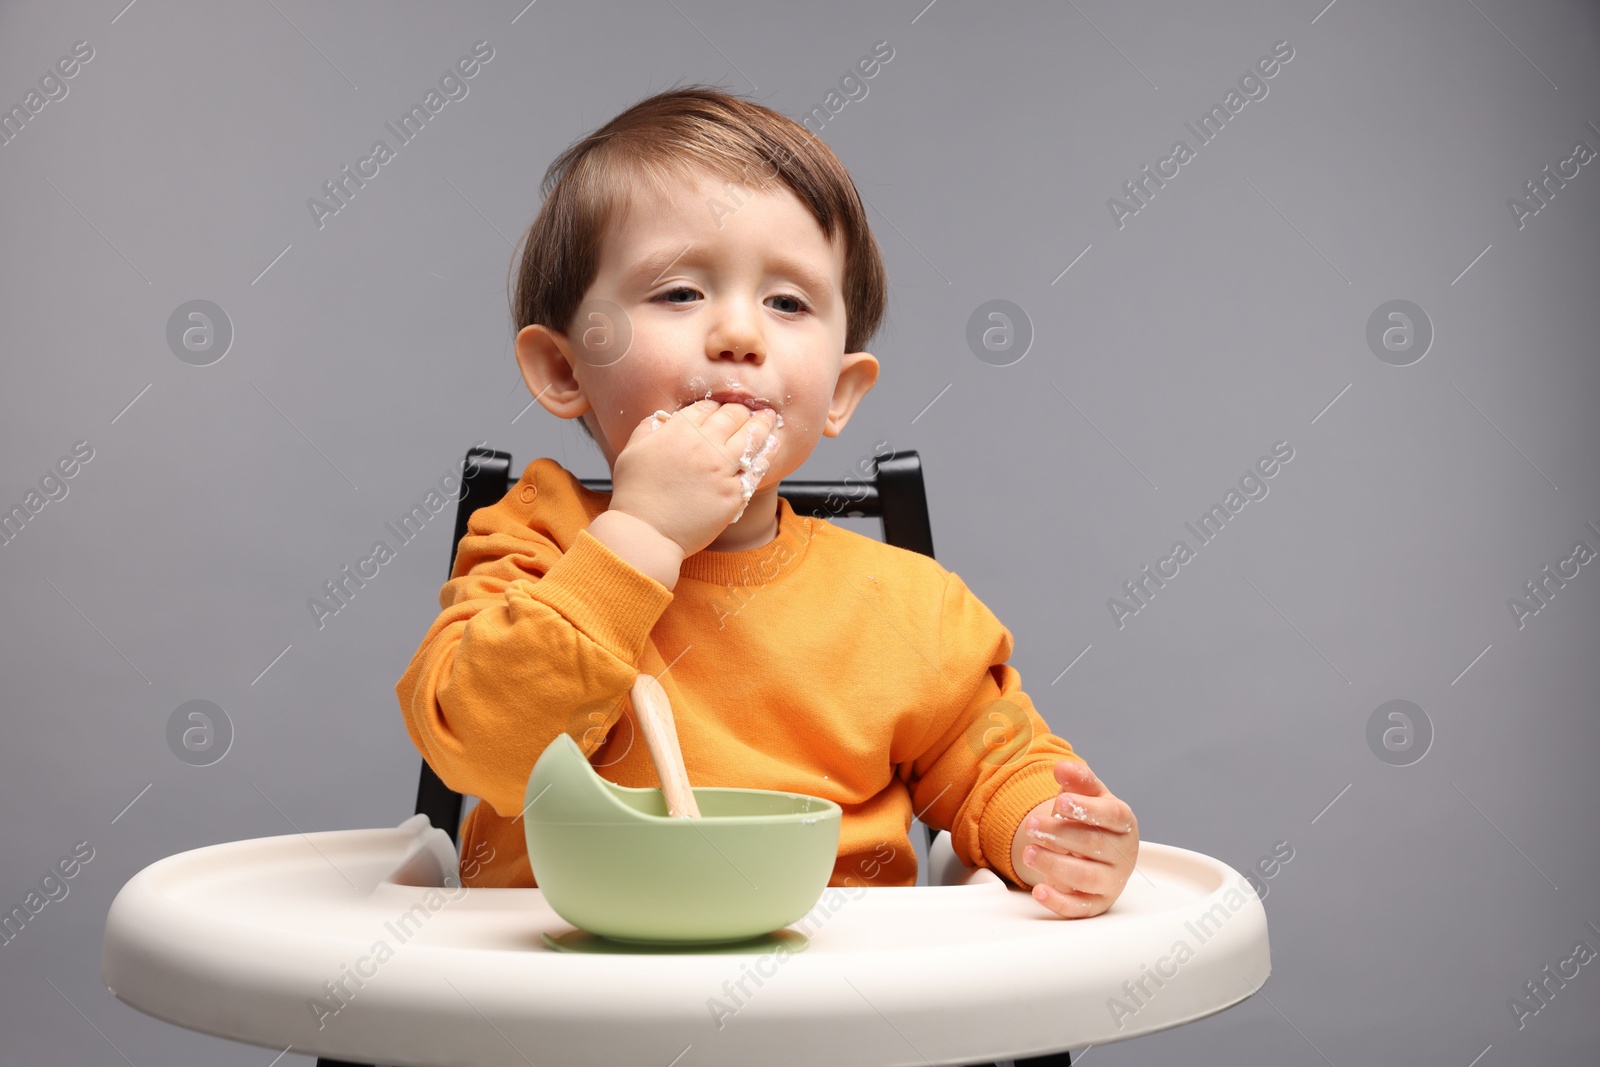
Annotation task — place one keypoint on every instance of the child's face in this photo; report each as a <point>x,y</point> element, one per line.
<point>713,290</point>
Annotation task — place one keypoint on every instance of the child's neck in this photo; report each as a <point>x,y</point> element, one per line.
<point>756,527</point>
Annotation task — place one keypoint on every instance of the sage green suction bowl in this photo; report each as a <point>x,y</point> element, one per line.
<point>611,861</point>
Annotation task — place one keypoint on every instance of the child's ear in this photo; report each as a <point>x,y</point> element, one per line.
<point>546,361</point>
<point>857,374</point>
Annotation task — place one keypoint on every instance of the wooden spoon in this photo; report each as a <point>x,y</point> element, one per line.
<point>654,712</point>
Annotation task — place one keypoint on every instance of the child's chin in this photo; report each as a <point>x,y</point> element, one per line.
<point>785,462</point>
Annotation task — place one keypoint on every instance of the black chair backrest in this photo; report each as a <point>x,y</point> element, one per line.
<point>895,495</point>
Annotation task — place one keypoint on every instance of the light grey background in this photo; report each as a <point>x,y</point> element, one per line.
<point>1227,315</point>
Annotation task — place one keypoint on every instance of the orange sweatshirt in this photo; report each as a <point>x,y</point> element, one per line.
<point>823,663</point>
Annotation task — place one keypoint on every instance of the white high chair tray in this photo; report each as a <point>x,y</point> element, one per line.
<point>239,939</point>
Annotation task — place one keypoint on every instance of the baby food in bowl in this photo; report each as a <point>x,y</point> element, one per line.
<point>612,862</point>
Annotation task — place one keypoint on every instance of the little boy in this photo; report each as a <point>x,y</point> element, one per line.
<point>699,288</point>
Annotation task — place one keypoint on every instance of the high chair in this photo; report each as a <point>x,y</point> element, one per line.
<point>278,941</point>
<point>894,494</point>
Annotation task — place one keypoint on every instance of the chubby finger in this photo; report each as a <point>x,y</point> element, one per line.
<point>1076,776</point>
<point>723,422</point>
<point>1116,850</point>
<point>1067,904</point>
<point>1072,873</point>
<point>751,445</point>
<point>1106,812</point>
<point>697,413</point>
<point>1064,835</point>
<point>760,422</point>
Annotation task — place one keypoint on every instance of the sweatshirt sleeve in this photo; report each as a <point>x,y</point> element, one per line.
<point>532,642</point>
<point>991,758</point>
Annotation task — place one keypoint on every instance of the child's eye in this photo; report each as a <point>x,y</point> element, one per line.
<point>799,305</point>
<point>793,304</point>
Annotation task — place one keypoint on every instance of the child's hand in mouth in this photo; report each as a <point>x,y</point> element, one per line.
<point>691,472</point>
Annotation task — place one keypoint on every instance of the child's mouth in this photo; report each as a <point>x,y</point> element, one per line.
<point>698,392</point>
<point>731,395</point>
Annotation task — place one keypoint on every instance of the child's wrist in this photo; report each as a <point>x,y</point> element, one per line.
<point>640,544</point>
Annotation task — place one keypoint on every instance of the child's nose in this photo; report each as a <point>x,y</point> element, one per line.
<point>737,336</point>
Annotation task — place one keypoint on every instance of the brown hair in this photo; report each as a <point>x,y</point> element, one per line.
<point>675,135</point>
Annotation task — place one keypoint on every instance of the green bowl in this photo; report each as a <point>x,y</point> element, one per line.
<point>611,861</point>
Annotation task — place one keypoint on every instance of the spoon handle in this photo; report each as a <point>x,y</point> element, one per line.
<point>654,712</point>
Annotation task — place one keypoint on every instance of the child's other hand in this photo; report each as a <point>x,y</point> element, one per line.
<point>682,475</point>
<point>1077,850</point>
